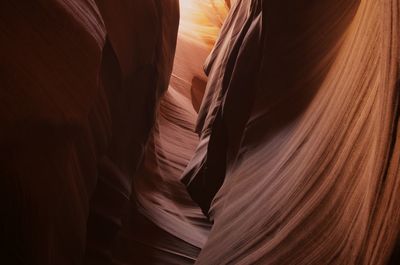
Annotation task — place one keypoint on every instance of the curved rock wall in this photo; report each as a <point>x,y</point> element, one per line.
<point>299,140</point>
<point>80,84</point>
<point>292,153</point>
<point>164,223</point>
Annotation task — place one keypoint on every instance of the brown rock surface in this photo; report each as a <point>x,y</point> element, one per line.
<point>76,112</point>
<point>307,105</point>
<point>285,150</point>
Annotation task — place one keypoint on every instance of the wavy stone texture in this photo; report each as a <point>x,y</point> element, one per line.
<point>305,97</point>
<point>263,132</point>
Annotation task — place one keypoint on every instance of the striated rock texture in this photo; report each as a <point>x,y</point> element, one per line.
<point>285,150</point>
<point>80,83</point>
<point>164,225</point>
<point>298,161</point>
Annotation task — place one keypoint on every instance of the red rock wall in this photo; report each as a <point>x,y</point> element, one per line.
<point>142,36</point>
<point>301,106</point>
<point>293,152</point>
<point>80,84</point>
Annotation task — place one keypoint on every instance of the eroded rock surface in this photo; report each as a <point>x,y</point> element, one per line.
<point>298,158</point>
<point>285,150</point>
<point>81,81</point>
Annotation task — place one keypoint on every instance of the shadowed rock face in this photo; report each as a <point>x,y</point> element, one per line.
<point>54,127</point>
<point>81,81</point>
<point>283,150</point>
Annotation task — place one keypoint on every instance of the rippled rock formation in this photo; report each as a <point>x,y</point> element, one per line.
<point>118,147</point>
<point>302,104</point>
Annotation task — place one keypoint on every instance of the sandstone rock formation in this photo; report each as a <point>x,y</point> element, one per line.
<point>80,84</point>
<point>302,104</point>
<point>284,149</point>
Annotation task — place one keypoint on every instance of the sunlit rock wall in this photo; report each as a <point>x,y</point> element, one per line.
<point>298,161</point>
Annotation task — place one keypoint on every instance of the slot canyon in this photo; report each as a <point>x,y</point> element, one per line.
<point>207,132</point>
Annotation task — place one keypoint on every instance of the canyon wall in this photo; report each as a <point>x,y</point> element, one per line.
<point>81,82</point>
<point>298,161</point>
<point>283,149</point>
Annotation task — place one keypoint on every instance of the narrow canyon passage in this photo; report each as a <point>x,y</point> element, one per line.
<point>207,132</point>
<point>165,223</point>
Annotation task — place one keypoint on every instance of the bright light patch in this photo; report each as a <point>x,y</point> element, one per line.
<point>201,20</point>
